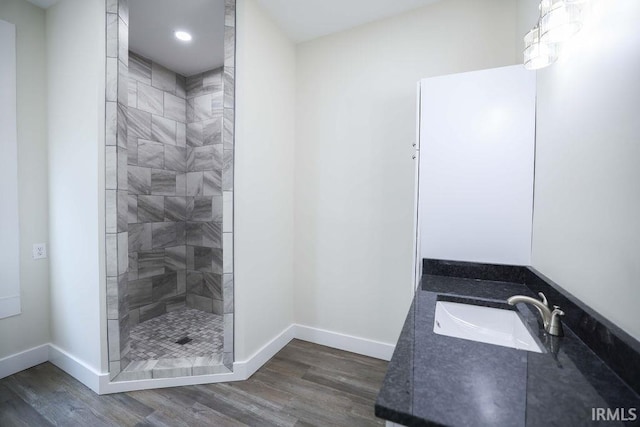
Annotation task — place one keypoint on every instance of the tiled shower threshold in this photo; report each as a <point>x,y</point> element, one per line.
<point>173,368</point>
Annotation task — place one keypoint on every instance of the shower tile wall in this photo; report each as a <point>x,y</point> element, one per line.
<point>158,206</point>
<point>204,114</point>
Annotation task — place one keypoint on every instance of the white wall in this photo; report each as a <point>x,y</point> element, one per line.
<point>477,140</point>
<point>31,328</point>
<point>587,195</point>
<point>354,176</point>
<point>263,191</point>
<point>75,76</point>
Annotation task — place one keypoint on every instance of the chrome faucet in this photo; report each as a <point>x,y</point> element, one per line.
<point>550,319</point>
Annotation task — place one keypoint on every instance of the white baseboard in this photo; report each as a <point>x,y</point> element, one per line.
<point>76,368</point>
<point>366,347</point>
<point>242,370</point>
<point>24,360</point>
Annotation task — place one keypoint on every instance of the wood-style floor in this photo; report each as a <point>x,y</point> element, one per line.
<point>303,385</point>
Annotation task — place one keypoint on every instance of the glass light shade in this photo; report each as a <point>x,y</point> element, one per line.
<point>538,54</point>
<point>560,19</point>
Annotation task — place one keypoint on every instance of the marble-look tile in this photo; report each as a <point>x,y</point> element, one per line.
<point>228,127</point>
<point>139,68</point>
<point>182,276</point>
<point>195,281</point>
<point>132,149</point>
<point>230,13</point>
<point>202,107</point>
<point>195,183</point>
<point>181,233</point>
<point>139,237</point>
<point>175,158</point>
<point>123,41</point>
<point>163,130</point>
<point>175,108</point>
<point>139,180</point>
<point>164,286</point>
<point>163,78</point>
<point>137,370</point>
<point>175,209</point>
<point>227,360</point>
<point>228,332</point>
<point>193,232</point>
<point>111,211</point>
<point>212,181</point>
<point>133,265</point>
<point>209,365</point>
<point>152,310</point>
<point>123,255</point>
<point>181,184</point>
<point>123,10</point>
<point>227,293</point>
<point>194,85</point>
<point>123,125</point>
<point>112,6</point>
<point>150,208</point>
<point>229,87</point>
<point>112,298</point>
<point>212,285</point>
<point>200,210</point>
<point>181,86</point>
<point>111,83</point>
<point>194,134</point>
<point>111,168</point>
<point>114,369</point>
<point>227,171</point>
<point>132,205</point>
<point>212,131</point>
<point>172,368</point>
<point>134,317</point>
<point>163,182</point>
<point>150,263</point>
<point>111,254</point>
<point>140,293</point>
<point>181,134</point>
<point>211,233</point>
<point>112,35</point>
<point>229,46</point>
<point>212,80</point>
<point>123,82</point>
<point>227,215</point>
<point>132,100</point>
<point>150,154</point>
<point>139,123</point>
<point>227,245</point>
<point>176,303</point>
<point>123,210</point>
<point>122,172</point>
<point>150,99</point>
<point>191,114</point>
<point>216,266</point>
<point>217,209</point>
<point>111,123</point>
<point>218,307</point>
<point>163,235</point>
<point>175,258</point>
<point>113,338</point>
<point>199,303</point>
<point>200,158</point>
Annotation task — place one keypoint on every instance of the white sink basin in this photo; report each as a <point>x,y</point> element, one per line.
<point>484,324</point>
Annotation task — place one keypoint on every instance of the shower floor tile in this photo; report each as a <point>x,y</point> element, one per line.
<point>156,338</point>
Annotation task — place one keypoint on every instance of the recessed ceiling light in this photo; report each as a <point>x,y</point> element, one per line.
<point>183,36</point>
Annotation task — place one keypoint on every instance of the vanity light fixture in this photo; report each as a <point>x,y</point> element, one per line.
<point>183,36</point>
<point>558,21</point>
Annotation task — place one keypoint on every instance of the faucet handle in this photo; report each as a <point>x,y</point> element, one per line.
<point>543,298</point>
<point>555,325</point>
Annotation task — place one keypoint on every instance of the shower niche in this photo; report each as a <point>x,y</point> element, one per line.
<point>169,188</point>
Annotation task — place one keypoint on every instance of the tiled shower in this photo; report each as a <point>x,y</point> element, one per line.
<point>169,214</point>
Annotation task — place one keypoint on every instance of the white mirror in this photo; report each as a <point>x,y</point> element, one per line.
<point>9,234</point>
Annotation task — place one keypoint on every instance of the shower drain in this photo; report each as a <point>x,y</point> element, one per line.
<point>183,341</point>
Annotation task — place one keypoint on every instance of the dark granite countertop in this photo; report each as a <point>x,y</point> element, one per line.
<point>439,380</point>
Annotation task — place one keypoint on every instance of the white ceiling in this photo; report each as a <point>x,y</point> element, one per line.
<point>43,3</point>
<point>151,27</point>
<point>303,20</point>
